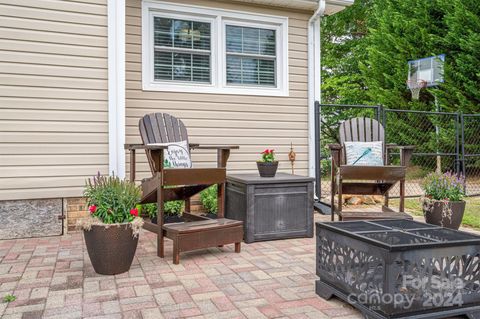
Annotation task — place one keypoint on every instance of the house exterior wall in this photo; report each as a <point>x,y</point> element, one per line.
<point>53,97</point>
<point>253,122</point>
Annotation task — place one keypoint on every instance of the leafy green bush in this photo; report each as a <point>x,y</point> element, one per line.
<point>111,199</point>
<point>208,197</point>
<point>444,186</point>
<point>326,167</point>
<point>171,208</point>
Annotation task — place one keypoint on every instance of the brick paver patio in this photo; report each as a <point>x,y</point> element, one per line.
<point>53,278</point>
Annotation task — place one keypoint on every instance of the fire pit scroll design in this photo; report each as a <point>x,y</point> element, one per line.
<point>352,267</point>
<point>399,268</point>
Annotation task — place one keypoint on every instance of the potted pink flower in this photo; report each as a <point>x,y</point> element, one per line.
<point>111,231</point>
<point>267,166</point>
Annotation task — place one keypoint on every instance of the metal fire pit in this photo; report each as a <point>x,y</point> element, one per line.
<point>399,268</point>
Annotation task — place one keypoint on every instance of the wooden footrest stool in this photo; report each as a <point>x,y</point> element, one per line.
<point>203,234</point>
<point>346,216</point>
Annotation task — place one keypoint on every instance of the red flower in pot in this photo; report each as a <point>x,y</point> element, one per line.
<point>267,166</point>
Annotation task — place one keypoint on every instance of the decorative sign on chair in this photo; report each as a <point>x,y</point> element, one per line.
<point>176,155</point>
<point>364,153</point>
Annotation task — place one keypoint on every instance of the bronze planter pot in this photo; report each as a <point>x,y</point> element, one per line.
<point>111,250</point>
<point>433,213</point>
<point>267,169</point>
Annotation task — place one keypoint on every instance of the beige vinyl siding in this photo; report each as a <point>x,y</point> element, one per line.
<point>53,96</point>
<point>253,122</point>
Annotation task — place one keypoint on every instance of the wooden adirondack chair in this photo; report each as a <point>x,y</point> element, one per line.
<point>367,180</point>
<point>168,184</point>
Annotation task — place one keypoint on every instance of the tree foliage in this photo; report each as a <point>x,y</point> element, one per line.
<point>365,50</point>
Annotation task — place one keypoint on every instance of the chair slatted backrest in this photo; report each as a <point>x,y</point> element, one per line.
<point>161,128</point>
<point>361,129</point>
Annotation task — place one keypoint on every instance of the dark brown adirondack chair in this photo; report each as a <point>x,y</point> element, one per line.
<point>367,180</point>
<point>168,184</point>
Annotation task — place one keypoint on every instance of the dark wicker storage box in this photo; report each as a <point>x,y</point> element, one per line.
<point>271,208</point>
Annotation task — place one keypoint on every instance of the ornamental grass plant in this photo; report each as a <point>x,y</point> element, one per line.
<point>112,200</point>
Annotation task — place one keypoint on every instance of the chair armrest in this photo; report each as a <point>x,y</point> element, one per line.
<point>214,147</point>
<point>336,151</point>
<point>400,147</point>
<point>334,147</point>
<point>144,147</point>
<point>406,152</point>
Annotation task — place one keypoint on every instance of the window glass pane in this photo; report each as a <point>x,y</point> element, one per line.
<point>182,34</point>
<point>266,72</point>
<point>163,31</point>
<point>234,69</point>
<point>267,42</point>
<point>249,71</point>
<point>201,68</point>
<point>163,66</point>
<point>250,40</point>
<point>182,67</point>
<point>245,70</point>
<point>201,35</point>
<point>234,39</point>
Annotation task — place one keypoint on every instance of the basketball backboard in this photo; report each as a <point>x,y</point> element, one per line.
<point>428,69</point>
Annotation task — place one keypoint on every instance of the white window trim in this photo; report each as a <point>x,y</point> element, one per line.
<point>219,18</point>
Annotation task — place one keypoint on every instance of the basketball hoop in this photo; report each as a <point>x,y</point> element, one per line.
<point>415,87</point>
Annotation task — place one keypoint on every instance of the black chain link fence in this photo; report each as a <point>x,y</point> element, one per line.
<point>331,116</point>
<point>443,142</point>
<point>471,152</point>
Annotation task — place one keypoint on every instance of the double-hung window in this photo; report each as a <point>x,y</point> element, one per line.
<point>198,49</point>
<point>181,50</point>
<point>251,56</point>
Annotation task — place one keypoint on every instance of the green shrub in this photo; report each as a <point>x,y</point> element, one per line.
<point>208,197</point>
<point>326,167</point>
<point>111,199</point>
<point>171,208</point>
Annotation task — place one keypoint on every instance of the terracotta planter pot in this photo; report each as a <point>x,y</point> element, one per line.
<point>267,169</point>
<point>111,250</point>
<point>434,213</point>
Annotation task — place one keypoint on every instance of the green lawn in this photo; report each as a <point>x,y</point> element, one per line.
<point>470,219</point>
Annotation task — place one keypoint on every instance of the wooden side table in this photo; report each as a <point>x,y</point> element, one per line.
<point>271,208</point>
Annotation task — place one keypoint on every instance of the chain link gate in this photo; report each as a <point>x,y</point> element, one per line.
<point>444,141</point>
<point>471,152</point>
<point>327,121</point>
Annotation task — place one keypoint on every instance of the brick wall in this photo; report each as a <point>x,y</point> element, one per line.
<point>76,209</point>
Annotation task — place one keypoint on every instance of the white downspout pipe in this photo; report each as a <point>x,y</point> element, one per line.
<point>313,80</point>
<point>116,87</point>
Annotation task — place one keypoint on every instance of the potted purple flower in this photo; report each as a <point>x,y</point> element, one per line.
<point>267,166</point>
<point>443,202</point>
<point>111,231</point>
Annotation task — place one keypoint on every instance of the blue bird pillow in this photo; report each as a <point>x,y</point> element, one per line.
<point>364,153</point>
